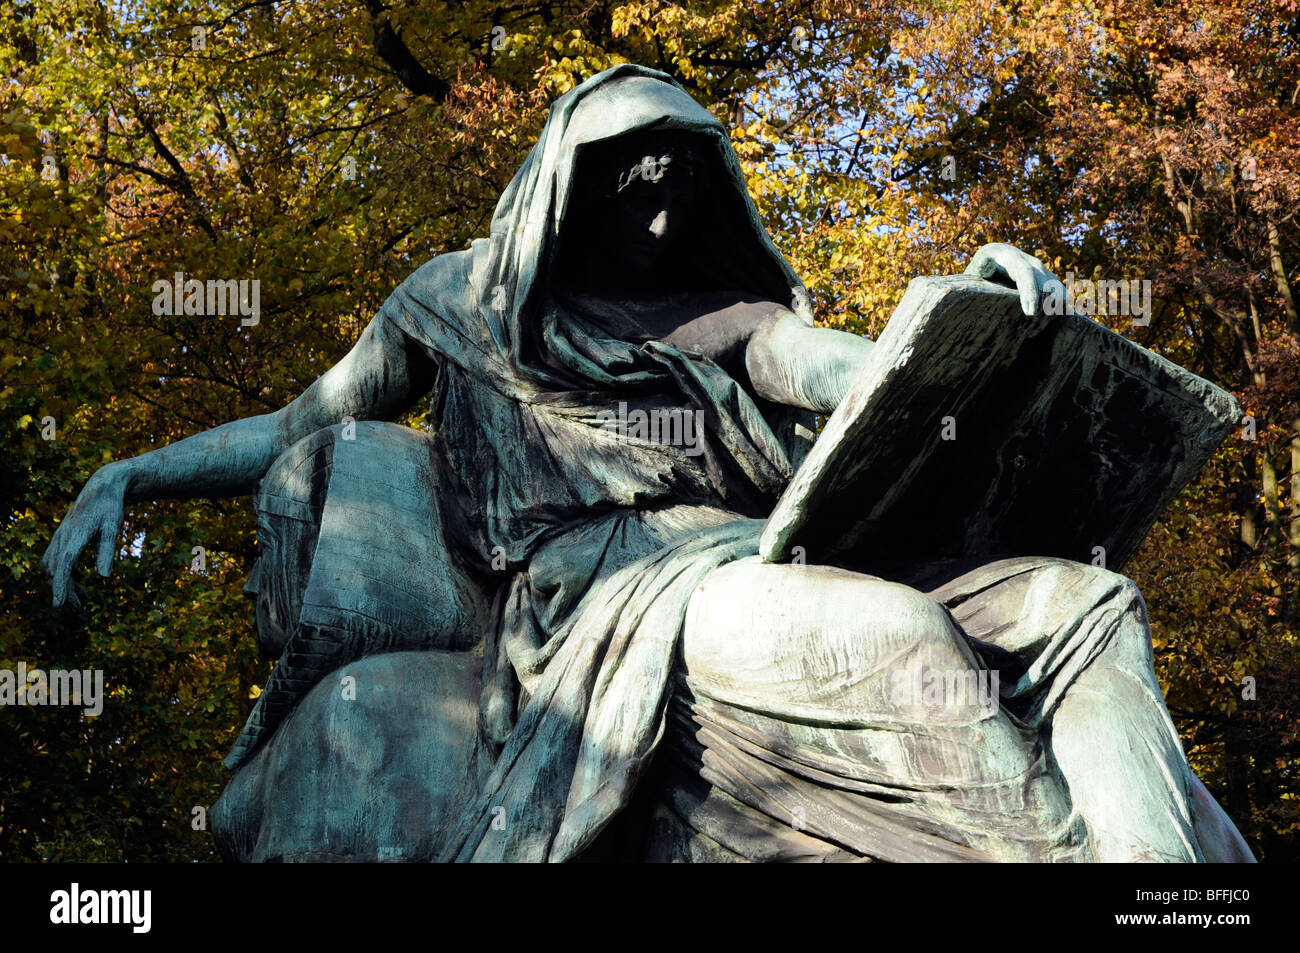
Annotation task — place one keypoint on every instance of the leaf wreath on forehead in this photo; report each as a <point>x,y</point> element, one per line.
<point>678,158</point>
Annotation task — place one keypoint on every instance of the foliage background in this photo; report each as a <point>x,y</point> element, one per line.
<point>1154,139</point>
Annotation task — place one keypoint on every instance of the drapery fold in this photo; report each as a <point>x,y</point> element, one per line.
<point>597,712</point>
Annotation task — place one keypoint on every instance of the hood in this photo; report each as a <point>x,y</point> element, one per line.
<point>510,269</point>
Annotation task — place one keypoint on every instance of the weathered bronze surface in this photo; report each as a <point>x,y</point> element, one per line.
<point>544,630</point>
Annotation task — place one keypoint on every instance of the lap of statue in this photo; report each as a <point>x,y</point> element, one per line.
<point>373,744</point>
<point>965,680</point>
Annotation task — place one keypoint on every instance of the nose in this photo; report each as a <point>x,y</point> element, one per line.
<point>659,227</point>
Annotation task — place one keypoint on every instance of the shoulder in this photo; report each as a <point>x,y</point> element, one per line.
<point>437,308</point>
<point>434,290</point>
<point>439,272</point>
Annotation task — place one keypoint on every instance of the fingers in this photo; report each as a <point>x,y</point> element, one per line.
<point>1030,277</point>
<point>1053,286</point>
<point>108,531</point>
<point>1026,279</point>
<point>58,567</point>
<point>1044,281</point>
<point>59,585</point>
<point>50,563</point>
<point>65,588</point>
<point>96,514</point>
<point>61,558</point>
<point>1027,274</point>
<point>47,561</point>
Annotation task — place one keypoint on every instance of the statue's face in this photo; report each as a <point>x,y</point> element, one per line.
<point>642,188</point>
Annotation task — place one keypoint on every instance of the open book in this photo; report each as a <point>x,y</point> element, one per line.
<point>977,431</point>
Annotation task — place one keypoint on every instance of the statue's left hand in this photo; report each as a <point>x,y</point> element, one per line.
<point>1008,265</point>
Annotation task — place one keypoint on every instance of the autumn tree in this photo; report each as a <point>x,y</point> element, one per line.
<point>328,149</point>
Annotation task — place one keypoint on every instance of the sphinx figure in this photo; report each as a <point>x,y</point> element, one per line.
<point>543,630</point>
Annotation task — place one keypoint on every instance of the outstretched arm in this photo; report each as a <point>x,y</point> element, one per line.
<point>382,376</point>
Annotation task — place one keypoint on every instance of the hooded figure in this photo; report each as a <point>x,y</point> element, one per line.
<point>585,474</point>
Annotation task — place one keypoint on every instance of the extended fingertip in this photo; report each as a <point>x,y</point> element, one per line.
<point>107,544</point>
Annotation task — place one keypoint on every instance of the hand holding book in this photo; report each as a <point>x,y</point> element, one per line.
<point>1006,265</point>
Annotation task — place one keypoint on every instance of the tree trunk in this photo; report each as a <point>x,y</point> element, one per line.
<point>1272,512</point>
<point>1279,277</point>
<point>1248,507</point>
<point>1292,612</point>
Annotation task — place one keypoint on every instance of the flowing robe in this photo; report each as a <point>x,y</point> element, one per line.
<point>605,539</point>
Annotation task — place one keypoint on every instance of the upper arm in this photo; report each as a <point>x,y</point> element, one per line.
<point>723,335</point>
<point>383,375</point>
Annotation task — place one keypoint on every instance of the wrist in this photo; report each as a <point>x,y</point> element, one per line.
<point>124,475</point>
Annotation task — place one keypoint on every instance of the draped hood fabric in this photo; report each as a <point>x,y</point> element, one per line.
<point>508,279</point>
<point>603,538</point>
<point>489,316</point>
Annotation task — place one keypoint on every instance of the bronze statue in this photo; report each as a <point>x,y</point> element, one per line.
<point>543,631</point>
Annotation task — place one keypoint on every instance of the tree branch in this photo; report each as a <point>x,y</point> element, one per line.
<point>398,55</point>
